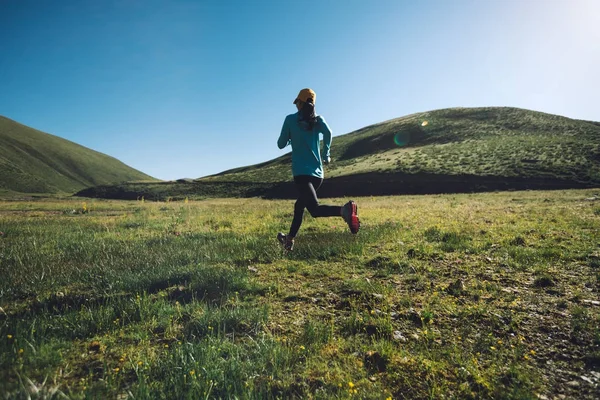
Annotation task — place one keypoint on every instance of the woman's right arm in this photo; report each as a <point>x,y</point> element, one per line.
<point>284,137</point>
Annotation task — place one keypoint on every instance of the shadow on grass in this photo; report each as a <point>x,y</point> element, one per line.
<point>208,284</point>
<point>362,184</point>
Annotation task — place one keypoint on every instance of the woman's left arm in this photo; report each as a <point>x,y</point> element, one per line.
<point>326,138</point>
<point>284,136</point>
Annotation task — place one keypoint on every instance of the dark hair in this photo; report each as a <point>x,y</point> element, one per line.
<point>307,114</point>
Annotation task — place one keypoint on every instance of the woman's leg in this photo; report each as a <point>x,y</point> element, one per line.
<point>298,214</point>
<point>349,212</point>
<point>307,198</point>
<point>312,202</point>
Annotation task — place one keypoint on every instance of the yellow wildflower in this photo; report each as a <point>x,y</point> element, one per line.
<point>9,336</point>
<point>351,385</point>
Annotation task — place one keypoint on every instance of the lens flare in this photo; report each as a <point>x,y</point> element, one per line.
<point>402,138</point>
<point>424,123</point>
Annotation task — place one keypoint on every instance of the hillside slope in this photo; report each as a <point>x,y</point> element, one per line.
<point>449,150</point>
<point>32,161</point>
<point>506,142</point>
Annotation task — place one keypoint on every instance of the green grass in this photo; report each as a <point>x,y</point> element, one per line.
<point>446,296</point>
<point>32,161</point>
<point>458,150</point>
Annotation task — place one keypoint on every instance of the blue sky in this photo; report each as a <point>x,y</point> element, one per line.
<point>190,88</point>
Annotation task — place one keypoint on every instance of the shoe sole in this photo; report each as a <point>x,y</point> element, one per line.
<point>354,221</point>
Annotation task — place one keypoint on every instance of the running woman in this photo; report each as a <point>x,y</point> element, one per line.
<point>301,130</point>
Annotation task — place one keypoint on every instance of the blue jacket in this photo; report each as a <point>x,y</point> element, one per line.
<point>306,155</point>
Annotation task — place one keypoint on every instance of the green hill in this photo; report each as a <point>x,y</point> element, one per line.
<point>449,150</point>
<point>32,161</point>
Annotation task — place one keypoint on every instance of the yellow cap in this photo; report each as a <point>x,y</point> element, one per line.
<point>306,94</point>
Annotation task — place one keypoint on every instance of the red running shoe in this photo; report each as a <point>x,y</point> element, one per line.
<point>350,215</point>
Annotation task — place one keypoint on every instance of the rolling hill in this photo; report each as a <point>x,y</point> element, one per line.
<point>32,161</point>
<point>441,151</point>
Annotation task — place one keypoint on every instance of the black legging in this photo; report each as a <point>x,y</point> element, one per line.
<point>307,198</point>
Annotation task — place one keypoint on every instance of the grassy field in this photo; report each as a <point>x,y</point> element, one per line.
<point>470,296</point>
